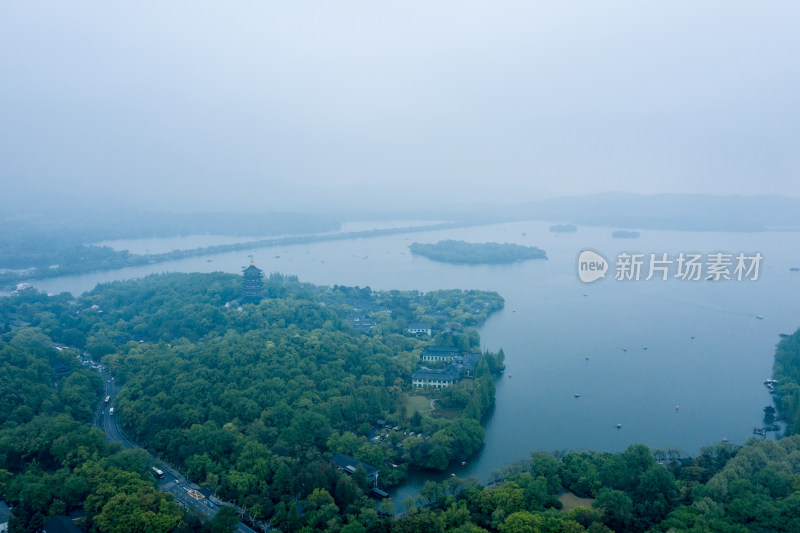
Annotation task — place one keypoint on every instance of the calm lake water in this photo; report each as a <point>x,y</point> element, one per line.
<point>160,245</point>
<point>552,322</point>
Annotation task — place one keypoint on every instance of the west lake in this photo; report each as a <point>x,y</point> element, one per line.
<point>707,350</point>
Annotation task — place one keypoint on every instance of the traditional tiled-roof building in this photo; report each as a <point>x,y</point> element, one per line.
<point>436,379</point>
<point>348,465</point>
<point>439,353</point>
<point>420,328</point>
<point>252,284</point>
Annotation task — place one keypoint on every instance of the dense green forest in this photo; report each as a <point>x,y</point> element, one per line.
<point>725,489</point>
<point>469,253</point>
<point>253,401</point>
<point>51,461</point>
<point>787,371</point>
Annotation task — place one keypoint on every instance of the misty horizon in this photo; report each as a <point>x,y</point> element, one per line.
<point>197,106</point>
<point>271,266</point>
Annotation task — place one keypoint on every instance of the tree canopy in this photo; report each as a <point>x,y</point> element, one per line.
<point>470,253</point>
<point>253,401</point>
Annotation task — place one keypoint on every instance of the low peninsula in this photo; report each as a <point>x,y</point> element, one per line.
<point>469,253</point>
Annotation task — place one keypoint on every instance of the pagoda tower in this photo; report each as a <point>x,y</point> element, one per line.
<point>252,284</point>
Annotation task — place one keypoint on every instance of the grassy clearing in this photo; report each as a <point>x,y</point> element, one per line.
<point>450,414</point>
<point>416,403</point>
<point>570,501</point>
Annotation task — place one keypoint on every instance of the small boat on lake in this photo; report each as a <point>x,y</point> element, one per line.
<point>770,384</point>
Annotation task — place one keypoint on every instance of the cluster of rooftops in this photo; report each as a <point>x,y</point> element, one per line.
<point>458,365</point>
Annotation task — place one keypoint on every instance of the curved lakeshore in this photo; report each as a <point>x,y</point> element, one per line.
<point>545,304</point>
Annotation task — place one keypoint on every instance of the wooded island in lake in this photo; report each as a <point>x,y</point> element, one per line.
<point>622,234</point>
<point>470,253</point>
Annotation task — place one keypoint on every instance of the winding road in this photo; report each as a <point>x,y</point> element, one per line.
<point>187,494</point>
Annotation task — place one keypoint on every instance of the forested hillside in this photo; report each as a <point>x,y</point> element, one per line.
<point>253,401</point>
<point>787,371</point>
<point>51,461</point>
<point>725,488</point>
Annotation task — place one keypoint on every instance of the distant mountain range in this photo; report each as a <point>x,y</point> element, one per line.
<point>688,212</point>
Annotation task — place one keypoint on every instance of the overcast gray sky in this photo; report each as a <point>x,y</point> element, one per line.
<point>270,105</point>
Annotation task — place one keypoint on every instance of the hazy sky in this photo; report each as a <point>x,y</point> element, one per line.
<point>270,105</point>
